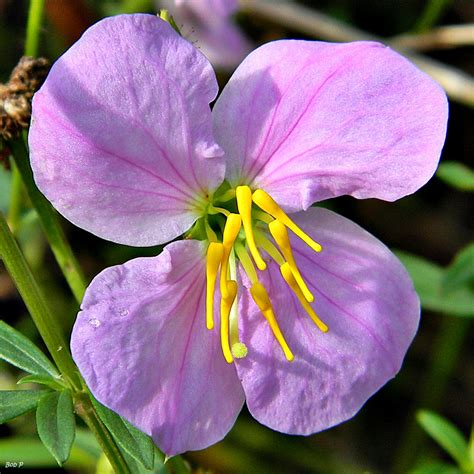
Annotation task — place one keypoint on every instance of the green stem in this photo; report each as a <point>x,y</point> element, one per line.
<point>50,223</point>
<point>35,301</point>
<point>14,210</point>
<point>50,331</point>
<point>431,14</point>
<point>446,349</point>
<point>177,465</point>
<point>33,27</point>
<point>86,411</point>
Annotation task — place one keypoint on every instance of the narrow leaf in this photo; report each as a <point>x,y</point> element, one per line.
<point>54,383</point>
<point>427,278</point>
<point>19,351</point>
<point>14,403</point>
<point>457,175</point>
<point>461,271</point>
<point>445,434</point>
<point>56,424</point>
<point>134,442</point>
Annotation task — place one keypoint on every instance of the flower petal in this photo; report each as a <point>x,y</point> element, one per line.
<point>121,137</point>
<point>142,345</point>
<point>313,120</point>
<point>365,296</point>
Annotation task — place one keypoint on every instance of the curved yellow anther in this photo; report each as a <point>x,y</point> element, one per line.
<point>231,231</point>
<point>267,204</point>
<point>279,233</point>
<point>244,204</point>
<point>260,296</point>
<point>226,306</point>
<point>213,260</point>
<point>289,277</point>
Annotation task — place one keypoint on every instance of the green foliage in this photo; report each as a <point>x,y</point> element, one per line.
<point>448,437</point>
<point>14,403</point>
<point>55,384</point>
<point>457,175</point>
<point>461,271</point>
<point>135,443</point>
<point>19,351</point>
<point>33,454</point>
<point>430,282</point>
<point>56,424</point>
<point>436,468</point>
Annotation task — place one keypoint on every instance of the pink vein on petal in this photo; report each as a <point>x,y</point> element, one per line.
<point>285,138</point>
<point>86,141</point>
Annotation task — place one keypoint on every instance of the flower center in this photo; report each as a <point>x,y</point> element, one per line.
<point>242,232</point>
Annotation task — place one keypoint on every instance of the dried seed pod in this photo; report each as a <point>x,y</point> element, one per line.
<point>16,95</point>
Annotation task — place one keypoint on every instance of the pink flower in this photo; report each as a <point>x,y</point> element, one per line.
<point>122,143</point>
<point>209,25</point>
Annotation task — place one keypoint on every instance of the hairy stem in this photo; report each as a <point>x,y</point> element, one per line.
<point>36,304</point>
<point>86,411</point>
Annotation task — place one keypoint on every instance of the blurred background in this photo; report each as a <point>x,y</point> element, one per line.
<point>430,229</point>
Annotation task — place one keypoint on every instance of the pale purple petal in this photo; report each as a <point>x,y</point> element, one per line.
<point>121,137</point>
<point>313,120</point>
<point>209,10</point>
<point>365,296</point>
<point>142,346</point>
<point>208,24</point>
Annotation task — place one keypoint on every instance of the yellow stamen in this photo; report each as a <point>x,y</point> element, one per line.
<point>246,262</point>
<point>260,296</point>
<point>266,203</point>
<point>213,260</point>
<point>289,277</point>
<point>244,204</point>
<point>279,233</point>
<point>231,231</point>
<point>226,306</point>
<point>270,249</point>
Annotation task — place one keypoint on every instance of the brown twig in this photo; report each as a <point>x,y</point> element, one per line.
<point>444,37</point>
<point>16,94</point>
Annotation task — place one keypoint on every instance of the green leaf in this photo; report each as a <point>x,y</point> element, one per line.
<point>134,442</point>
<point>436,468</point>
<point>56,424</point>
<point>446,435</point>
<point>461,271</point>
<point>428,278</point>
<point>54,383</point>
<point>457,175</point>
<point>19,351</point>
<point>14,403</point>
